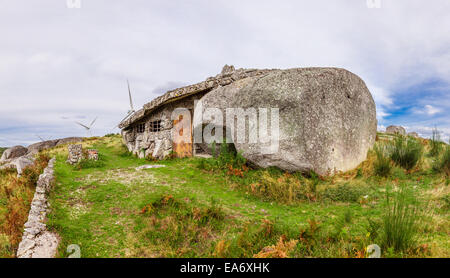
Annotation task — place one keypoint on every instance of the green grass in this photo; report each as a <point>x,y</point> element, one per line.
<point>2,150</point>
<point>198,207</point>
<point>382,166</point>
<point>402,220</point>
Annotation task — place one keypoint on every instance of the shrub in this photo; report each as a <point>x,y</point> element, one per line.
<point>283,188</point>
<point>435,143</point>
<point>16,195</point>
<point>111,134</point>
<point>382,166</point>
<point>373,229</point>
<point>344,193</point>
<point>90,163</point>
<point>400,220</point>
<point>183,229</point>
<point>406,152</point>
<point>227,158</point>
<point>446,202</point>
<point>442,164</point>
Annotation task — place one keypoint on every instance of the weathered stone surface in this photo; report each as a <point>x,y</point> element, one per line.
<point>46,245</point>
<point>228,75</point>
<point>92,154</point>
<point>69,140</point>
<point>13,152</point>
<point>396,130</point>
<point>413,134</point>
<point>19,163</point>
<point>327,117</point>
<point>37,241</point>
<point>75,153</point>
<point>149,167</point>
<point>40,146</point>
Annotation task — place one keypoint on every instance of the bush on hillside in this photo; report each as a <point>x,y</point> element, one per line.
<point>435,143</point>
<point>401,220</point>
<point>382,166</point>
<point>406,152</point>
<point>442,164</point>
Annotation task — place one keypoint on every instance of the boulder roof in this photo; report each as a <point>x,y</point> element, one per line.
<point>227,76</point>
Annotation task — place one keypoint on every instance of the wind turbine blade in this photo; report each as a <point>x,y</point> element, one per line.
<point>126,117</point>
<point>129,95</point>
<point>93,122</point>
<point>40,138</point>
<point>87,128</point>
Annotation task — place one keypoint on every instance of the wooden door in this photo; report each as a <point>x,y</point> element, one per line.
<point>182,141</point>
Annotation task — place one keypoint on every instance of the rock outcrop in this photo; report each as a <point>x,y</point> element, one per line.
<point>327,117</point>
<point>40,146</point>
<point>13,152</point>
<point>413,134</point>
<point>19,163</point>
<point>393,129</point>
<point>69,140</point>
<point>37,241</point>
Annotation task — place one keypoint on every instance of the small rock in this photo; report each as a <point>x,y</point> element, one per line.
<point>149,167</point>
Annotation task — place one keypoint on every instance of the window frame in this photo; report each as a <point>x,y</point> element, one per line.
<point>140,128</point>
<point>155,126</point>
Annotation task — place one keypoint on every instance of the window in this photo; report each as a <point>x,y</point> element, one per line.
<point>155,126</point>
<point>141,128</point>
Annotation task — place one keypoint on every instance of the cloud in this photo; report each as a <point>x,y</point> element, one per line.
<point>168,87</point>
<point>430,110</point>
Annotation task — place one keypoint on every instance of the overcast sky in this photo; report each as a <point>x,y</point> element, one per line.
<point>59,65</point>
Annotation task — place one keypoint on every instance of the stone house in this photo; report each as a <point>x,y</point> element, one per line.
<point>149,131</point>
<point>321,119</point>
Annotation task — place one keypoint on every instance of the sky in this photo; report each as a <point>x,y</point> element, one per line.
<point>61,62</point>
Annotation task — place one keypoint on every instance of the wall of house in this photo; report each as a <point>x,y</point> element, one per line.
<point>156,144</point>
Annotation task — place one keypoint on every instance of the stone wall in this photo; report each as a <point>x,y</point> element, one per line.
<point>156,144</point>
<point>75,153</point>
<point>37,241</point>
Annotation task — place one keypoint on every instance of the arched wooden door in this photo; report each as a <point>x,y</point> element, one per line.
<point>182,138</point>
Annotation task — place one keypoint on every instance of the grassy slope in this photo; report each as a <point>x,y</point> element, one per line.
<point>101,208</point>
<point>2,150</point>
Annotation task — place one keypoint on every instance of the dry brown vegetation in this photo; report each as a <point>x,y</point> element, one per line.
<point>16,194</point>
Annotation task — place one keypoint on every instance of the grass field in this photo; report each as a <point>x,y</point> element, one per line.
<point>197,207</point>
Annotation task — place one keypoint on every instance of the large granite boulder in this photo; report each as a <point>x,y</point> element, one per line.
<point>393,129</point>
<point>14,152</point>
<point>40,146</point>
<point>69,140</point>
<point>22,162</point>
<point>327,117</point>
<point>18,163</point>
